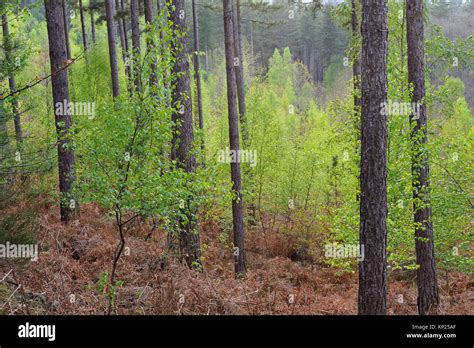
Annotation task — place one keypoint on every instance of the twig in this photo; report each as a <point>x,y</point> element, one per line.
<point>38,80</point>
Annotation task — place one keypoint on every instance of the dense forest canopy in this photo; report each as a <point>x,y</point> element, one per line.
<point>182,149</point>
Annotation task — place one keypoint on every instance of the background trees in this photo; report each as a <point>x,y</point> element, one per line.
<point>8,46</point>
<point>137,173</point>
<point>197,66</point>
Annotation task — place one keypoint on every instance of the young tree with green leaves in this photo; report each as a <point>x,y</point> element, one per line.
<point>428,297</point>
<point>183,134</point>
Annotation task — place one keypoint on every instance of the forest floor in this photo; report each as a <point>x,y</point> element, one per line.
<point>67,276</point>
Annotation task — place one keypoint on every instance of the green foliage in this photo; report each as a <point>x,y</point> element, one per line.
<point>19,227</point>
<point>102,287</point>
<point>307,150</point>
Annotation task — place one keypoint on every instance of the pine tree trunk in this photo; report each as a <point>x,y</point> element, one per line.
<point>428,297</point>
<point>239,70</point>
<point>110,14</point>
<point>136,71</point>
<point>124,25</point>
<point>311,61</point>
<point>66,27</point>
<point>237,207</point>
<point>126,51</point>
<point>59,80</point>
<point>197,67</point>
<point>373,174</point>
<point>207,59</point>
<point>183,135</point>
<point>83,25</point>
<point>121,33</point>
<point>11,79</point>
<point>252,52</point>
<point>4,153</point>
<point>91,10</point>
<point>4,140</point>
<point>148,4</point>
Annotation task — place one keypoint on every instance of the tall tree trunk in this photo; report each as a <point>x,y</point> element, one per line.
<point>373,173</point>
<point>121,33</point>
<point>124,24</point>
<point>11,78</point>
<point>239,70</point>
<point>4,152</point>
<point>207,59</point>
<point>158,10</point>
<point>4,140</point>
<point>91,10</point>
<point>237,207</point>
<point>428,297</point>
<point>197,67</point>
<point>148,4</point>
<point>66,27</point>
<point>252,52</point>
<point>311,61</point>
<point>125,48</point>
<point>136,71</point>
<point>120,29</point>
<point>59,81</point>
<point>110,14</point>
<point>183,135</point>
<point>83,25</point>
<point>305,55</point>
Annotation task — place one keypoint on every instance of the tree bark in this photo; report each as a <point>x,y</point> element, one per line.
<point>126,51</point>
<point>121,32</point>
<point>373,201</point>
<point>239,70</point>
<point>4,140</point>
<point>83,26</point>
<point>91,10</point>
<point>124,25</point>
<point>136,71</point>
<point>66,27</point>
<point>197,67</point>
<point>183,135</point>
<point>148,4</point>
<point>59,80</point>
<point>311,65</point>
<point>428,297</point>
<point>11,79</point>
<point>110,13</point>
<point>237,207</point>
<point>252,52</point>
<point>207,59</point>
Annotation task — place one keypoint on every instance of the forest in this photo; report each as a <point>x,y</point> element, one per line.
<point>236,157</point>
